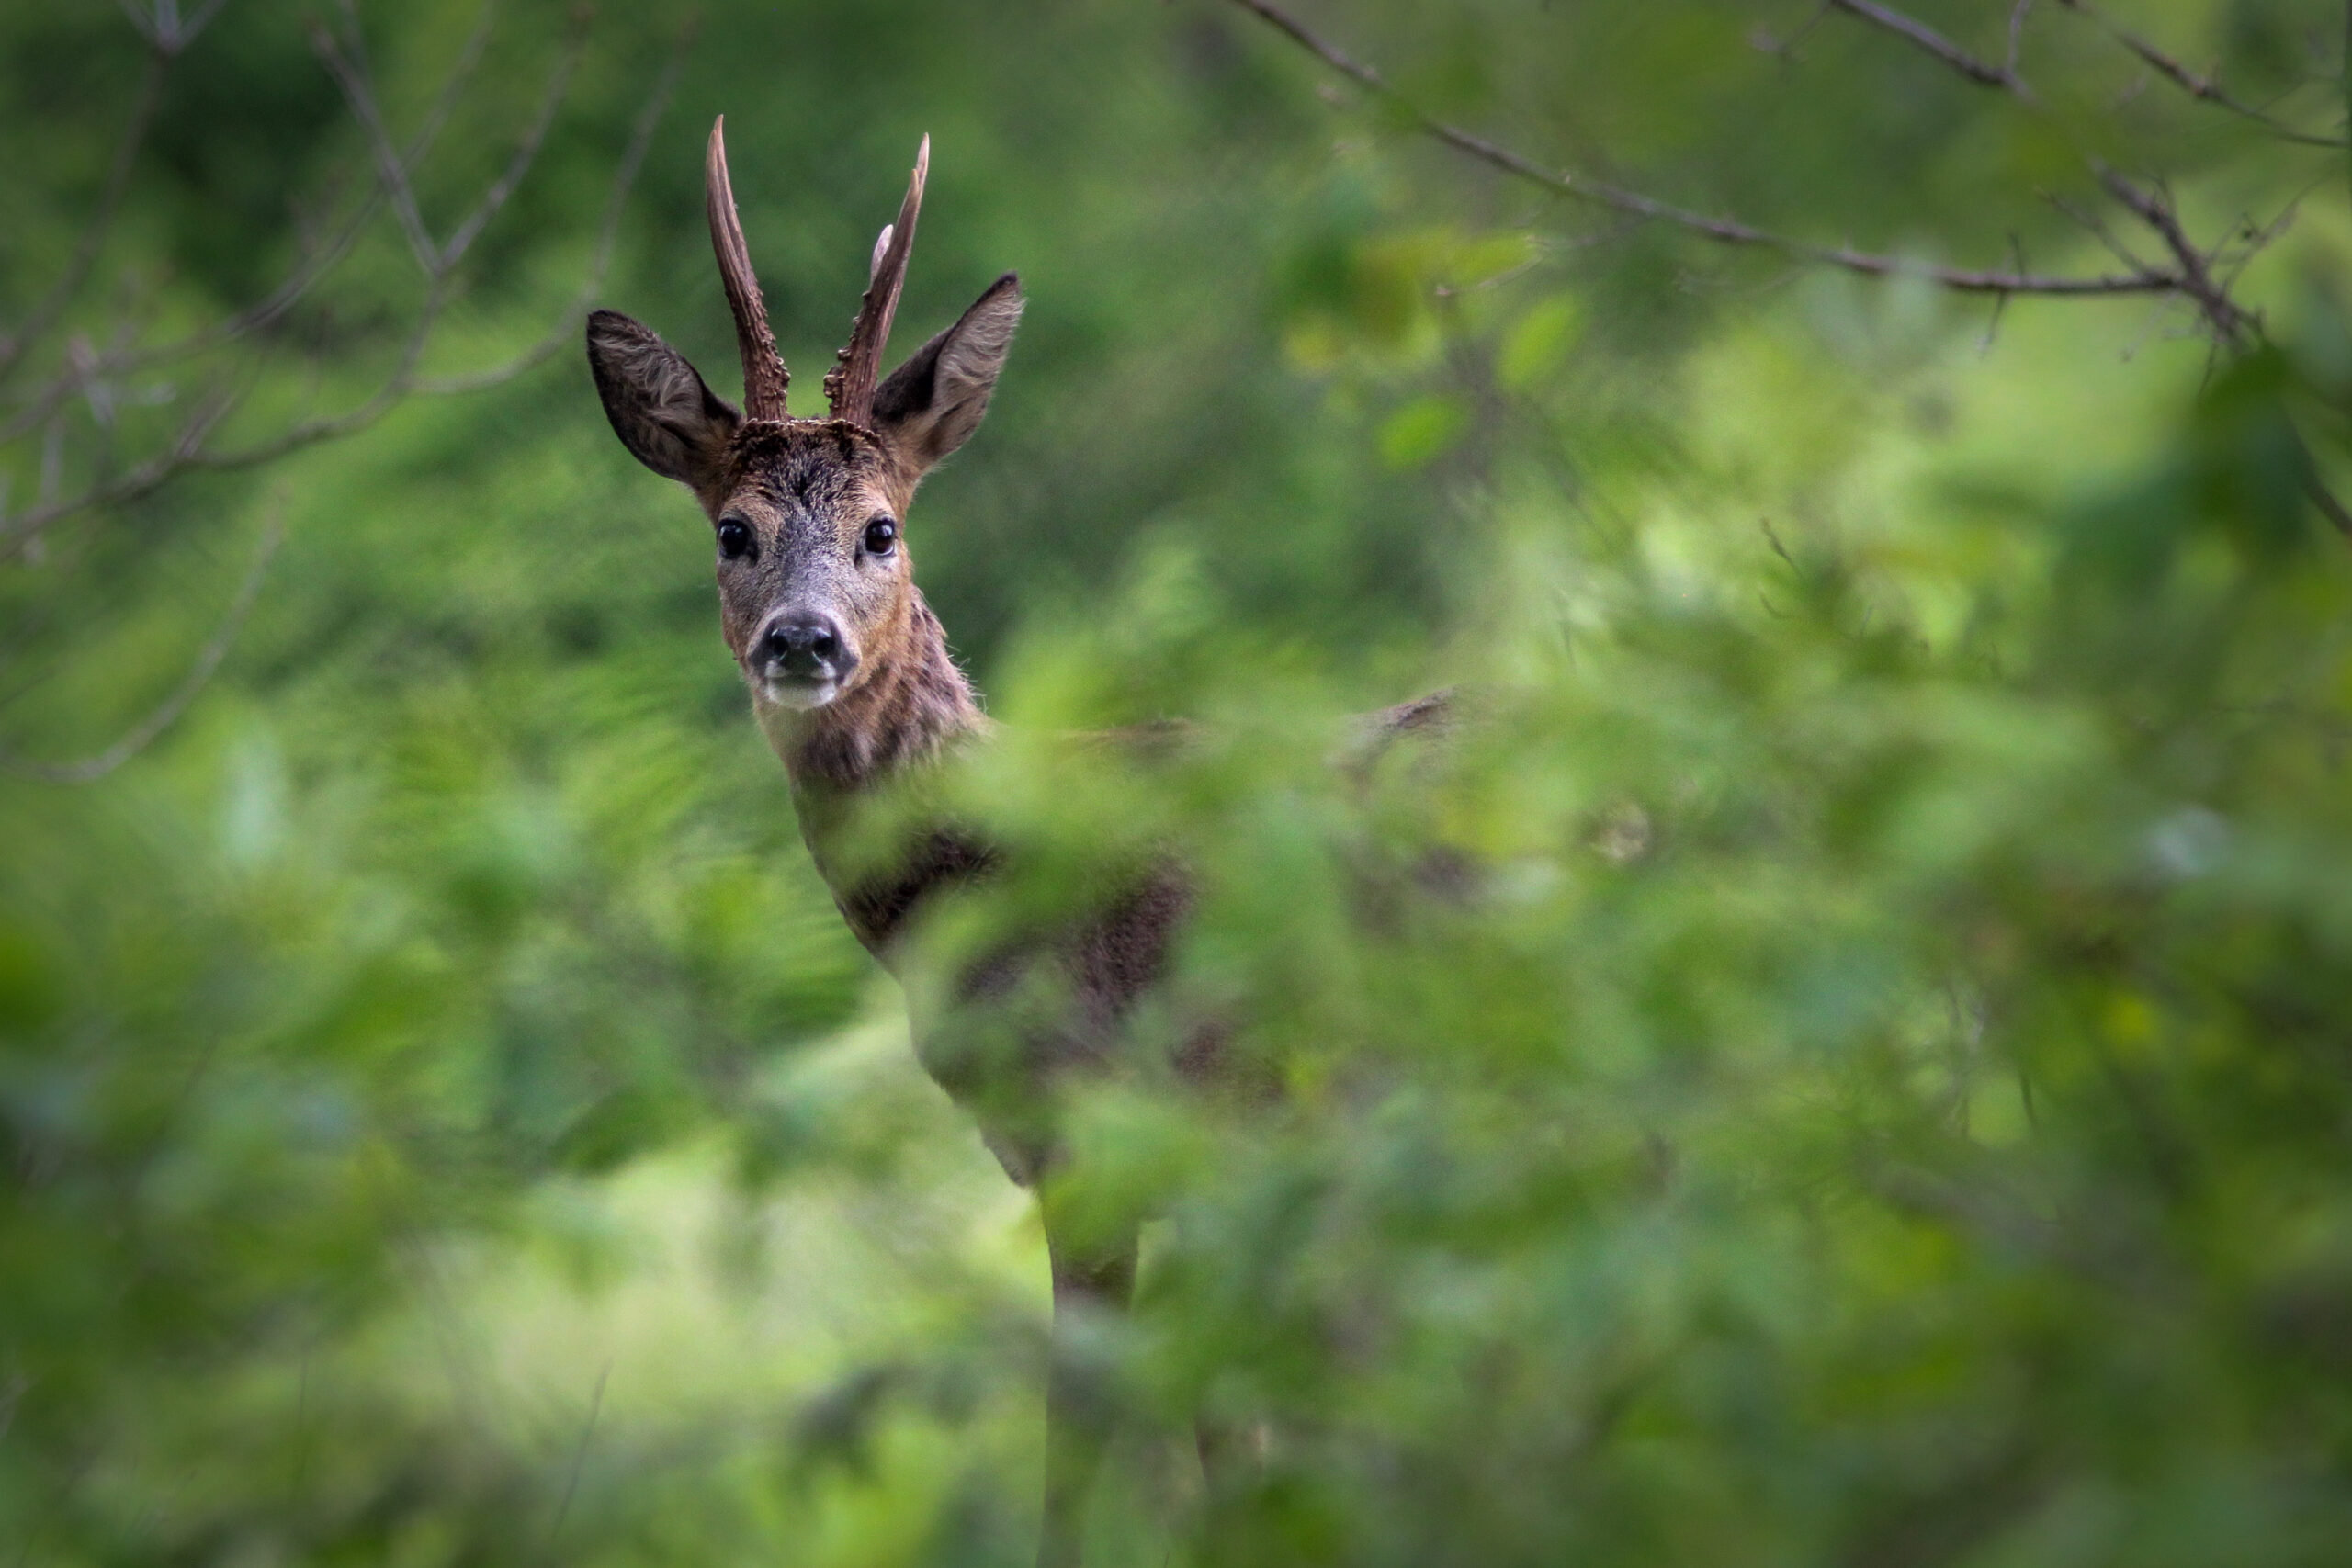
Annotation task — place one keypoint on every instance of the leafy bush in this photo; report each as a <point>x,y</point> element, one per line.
<point>1838,1056</point>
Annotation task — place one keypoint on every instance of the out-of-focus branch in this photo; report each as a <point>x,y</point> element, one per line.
<point>350,73</point>
<point>1983,73</point>
<point>191,447</point>
<point>600,259</point>
<point>164,28</point>
<point>2232,326</point>
<point>526,151</point>
<point>2329,505</point>
<point>2192,270</point>
<point>140,736</point>
<point>2201,87</point>
<point>2155,209</point>
<point>2007,77</point>
<point>316,262</point>
<point>44,314</point>
<point>1726,231</point>
<point>2191,274</point>
<point>453,87</point>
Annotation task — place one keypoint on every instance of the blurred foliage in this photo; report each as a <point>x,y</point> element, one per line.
<point>1845,1058</point>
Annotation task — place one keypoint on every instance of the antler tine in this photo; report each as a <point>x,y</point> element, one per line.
<point>850,384</point>
<point>764,376</point>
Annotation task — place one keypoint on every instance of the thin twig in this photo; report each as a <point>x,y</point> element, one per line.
<point>314,263</point>
<point>2001,301</point>
<point>349,70</point>
<point>1785,49</point>
<point>133,482</point>
<point>453,87</point>
<point>198,23</point>
<point>141,735</point>
<point>142,20</point>
<point>2096,227</point>
<point>2334,510</point>
<point>1726,231</point>
<point>2203,88</point>
<point>2155,208</point>
<point>579,1456</point>
<point>2254,239</point>
<point>189,450</point>
<point>526,151</point>
<point>2193,267</point>
<point>608,227</point>
<point>1983,73</point>
<point>44,314</point>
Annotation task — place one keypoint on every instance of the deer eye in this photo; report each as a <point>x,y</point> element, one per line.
<point>734,537</point>
<point>880,535</point>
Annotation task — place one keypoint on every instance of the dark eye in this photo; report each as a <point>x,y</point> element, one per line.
<point>734,537</point>
<point>880,535</point>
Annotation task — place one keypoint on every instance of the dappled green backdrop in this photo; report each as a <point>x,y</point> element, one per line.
<point>1883,1094</point>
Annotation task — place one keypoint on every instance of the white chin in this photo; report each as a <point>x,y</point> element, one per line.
<point>799,695</point>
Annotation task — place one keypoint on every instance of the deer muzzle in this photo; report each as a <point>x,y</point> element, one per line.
<point>802,658</point>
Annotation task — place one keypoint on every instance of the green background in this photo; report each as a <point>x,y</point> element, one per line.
<point>1888,1101</point>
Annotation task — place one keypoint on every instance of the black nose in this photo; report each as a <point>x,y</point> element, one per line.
<point>806,647</point>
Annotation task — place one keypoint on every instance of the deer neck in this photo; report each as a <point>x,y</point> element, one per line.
<point>915,704</point>
<point>914,707</point>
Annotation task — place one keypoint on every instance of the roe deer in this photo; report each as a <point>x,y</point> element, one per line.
<point>851,681</point>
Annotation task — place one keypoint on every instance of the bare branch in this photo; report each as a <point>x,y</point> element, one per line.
<point>1983,73</point>
<point>2193,268</point>
<point>88,769</point>
<point>608,227</point>
<point>314,263</point>
<point>2096,227</point>
<point>2203,88</point>
<point>44,315</point>
<point>144,21</point>
<point>198,22</point>
<point>1726,231</point>
<point>2330,507</point>
<point>2155,208</point>
<point>350,73</point>
<point>526,151</point>
<point>180,453</point>
<point>453,87</point>
<point>189,449</point>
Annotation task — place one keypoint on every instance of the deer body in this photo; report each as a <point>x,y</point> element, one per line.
<point>851,681</point>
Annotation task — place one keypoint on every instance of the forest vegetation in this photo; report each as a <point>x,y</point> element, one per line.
<point>1876,474</point>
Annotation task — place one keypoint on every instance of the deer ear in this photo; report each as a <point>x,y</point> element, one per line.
<point>934,401</point>
<point>660,408</point>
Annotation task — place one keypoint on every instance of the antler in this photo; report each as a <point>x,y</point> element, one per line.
<point>850,384</point>
<point>764,376</point>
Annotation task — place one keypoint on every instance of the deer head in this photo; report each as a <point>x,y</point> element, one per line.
<point>815,585</point>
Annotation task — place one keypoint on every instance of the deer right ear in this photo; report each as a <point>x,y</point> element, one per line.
<point>932,404</point>
<point>665,414</point>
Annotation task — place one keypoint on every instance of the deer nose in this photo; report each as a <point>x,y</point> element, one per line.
<point>803,647</point>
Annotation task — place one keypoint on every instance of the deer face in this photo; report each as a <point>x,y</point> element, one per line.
<point>813,571</point>
<point>807,515</point>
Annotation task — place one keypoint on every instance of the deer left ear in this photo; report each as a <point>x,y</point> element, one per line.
<point>661,409</point>
<point>932,404</point>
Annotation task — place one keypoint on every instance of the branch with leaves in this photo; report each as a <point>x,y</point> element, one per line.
<point>2199,276</point>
